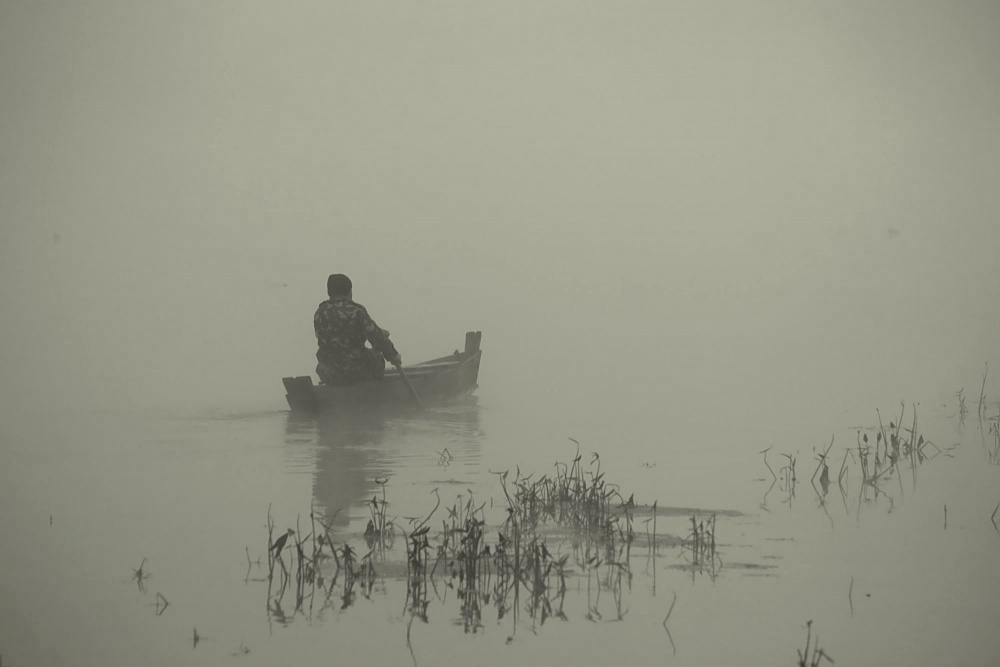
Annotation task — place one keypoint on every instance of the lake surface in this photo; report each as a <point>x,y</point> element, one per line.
<point>89,497</point>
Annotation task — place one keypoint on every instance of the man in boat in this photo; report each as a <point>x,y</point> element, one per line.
<point>342,328</point>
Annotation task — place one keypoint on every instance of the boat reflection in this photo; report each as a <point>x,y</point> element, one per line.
<point>356,446</point>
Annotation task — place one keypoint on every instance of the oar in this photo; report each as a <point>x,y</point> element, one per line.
<point>406,381</point>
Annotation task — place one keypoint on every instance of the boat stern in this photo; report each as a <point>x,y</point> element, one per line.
<point>300,393</point>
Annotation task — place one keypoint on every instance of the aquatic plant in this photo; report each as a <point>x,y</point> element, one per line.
<point>700,544</point>
<point>667,618</point>
<point>380,530</point>
<point>417,574</point>
<point>994,449</point>
<point>877,458</point>
<point>785,479</point>
<point>982,393</point>
<point>516,572</point>
<point>466,558</point>
<point>824,476</point>
<point>139,575</point>
<point>250,564</point>
<point>161,603</point>
<point>651,539</point>
<point>812,654</point>
<point>306,558</point>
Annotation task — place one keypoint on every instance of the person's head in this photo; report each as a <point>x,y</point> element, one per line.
<point>338,285</point>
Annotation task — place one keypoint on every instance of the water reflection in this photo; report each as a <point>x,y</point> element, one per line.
<point>567,526</point>
<point>875,466</point>
<point>355,449</point>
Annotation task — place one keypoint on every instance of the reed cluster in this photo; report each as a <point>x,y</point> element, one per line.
<point>451,550</point>
<point>417,574</point>
<point>304,572</point>
<point>571,497</point>
<point>700,544</point>
<point>877,460</point>
<point>518,571</point>
<point>484,574</point>
<point>893,447</point>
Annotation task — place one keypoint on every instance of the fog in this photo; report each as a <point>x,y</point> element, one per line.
<point>179,178</point>
<point>689,231</point>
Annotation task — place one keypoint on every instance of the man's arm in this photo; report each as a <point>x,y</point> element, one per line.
<point>379,339</point>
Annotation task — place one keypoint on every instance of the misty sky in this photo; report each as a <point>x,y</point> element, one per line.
<point>178,178</point>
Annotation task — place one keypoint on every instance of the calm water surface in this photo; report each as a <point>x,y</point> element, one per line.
<point>87,496</point>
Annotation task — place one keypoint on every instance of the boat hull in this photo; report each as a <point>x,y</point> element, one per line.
<point>435,380</point>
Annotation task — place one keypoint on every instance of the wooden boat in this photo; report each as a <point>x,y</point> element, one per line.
<point>434,380</point>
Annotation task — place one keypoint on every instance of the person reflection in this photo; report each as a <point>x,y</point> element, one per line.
<point>347,451</point>
<point>353,449</point>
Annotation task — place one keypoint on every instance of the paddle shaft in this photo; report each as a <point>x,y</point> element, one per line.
<point>406,381</point>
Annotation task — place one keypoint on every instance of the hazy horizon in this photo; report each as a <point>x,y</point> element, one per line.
<point>179,179</point>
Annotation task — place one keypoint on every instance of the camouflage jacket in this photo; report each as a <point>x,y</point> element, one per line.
<point>342,327</point>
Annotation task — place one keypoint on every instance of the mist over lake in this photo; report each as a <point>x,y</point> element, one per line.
<point>689,233</point>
